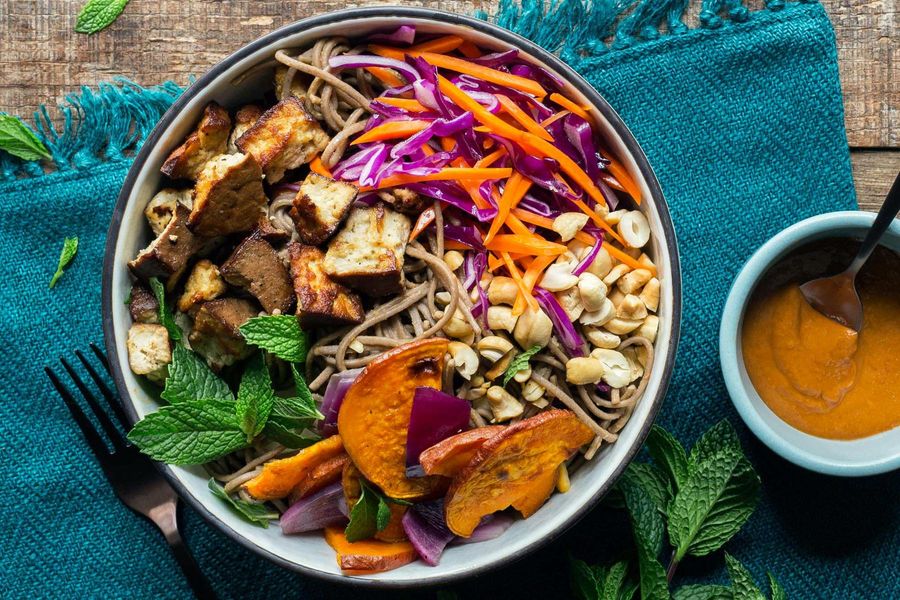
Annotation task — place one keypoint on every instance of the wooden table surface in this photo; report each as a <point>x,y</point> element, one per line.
<point>42,58</point>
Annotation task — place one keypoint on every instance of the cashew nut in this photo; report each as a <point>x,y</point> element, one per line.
<point>583,370</point>
<point>492,347</point>
<point>634,229</point>
<point>457,327</point>
<point>600,316</point>
<point>558,277</point>
<point>453,259</point>
<point>592,291</point>
<point>634,280</point>
<point>650,295</point>
<point>532,392</point>
<point>616,272</point>
<point>533,328</point>
<point>601,338</point>
<point>464,358</point>
<point>621,326</point>
<point>502,290</point>
<point>503,404</point>
<point>568,224</point>
<point>616,370</point>
<point>501,317</point>
<point>631,307</point>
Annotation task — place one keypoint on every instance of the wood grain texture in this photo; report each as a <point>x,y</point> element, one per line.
<point>42,58</point>
<point>873,173</point>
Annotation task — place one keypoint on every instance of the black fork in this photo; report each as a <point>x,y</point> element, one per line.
<point>132,475</point>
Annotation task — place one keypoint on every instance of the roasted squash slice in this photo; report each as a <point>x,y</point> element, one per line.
<point>368,556</point>
<point>449,456</point>
<point>279,477</point>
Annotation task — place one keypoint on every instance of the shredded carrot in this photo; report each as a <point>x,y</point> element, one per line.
<point>547,222</point>
<point>391,130</point>
<point>570,106</point>
<point>495,262</point>
<point>446,43</point>
<point>491,158</point>
<point>448,143</point>
<point>454,245</point>
<point>517,243</point>
<point>386,76</point>
<point>523,118</point>
<point>427,150</point>
<point>517,226</point>
<point>317,166</point>
<point>517,277</point>
<point>598,220</point>
<point>469,50</point>
<point>618,171</point>
<point>425,219</point>
<point>516,188</point>
<point>410,104</point>
<point>532,273</point>
<point>445,174</point>
<point>556,117</point>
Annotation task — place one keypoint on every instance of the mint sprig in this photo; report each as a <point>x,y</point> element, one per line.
<point>370,514</point>
<point>279,334</point>
<point>190,379</point>
<point>69,250</point>
<point>19,140</point>
<point>98,14</point>
<point>288,434</point>
<point>519,363</point>
<point>592,582</point>
<point>252,512</point>
<point>165,317</point>
<point>255,397</point>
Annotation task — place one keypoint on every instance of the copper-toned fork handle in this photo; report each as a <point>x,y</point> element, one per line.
<point>166,518</point>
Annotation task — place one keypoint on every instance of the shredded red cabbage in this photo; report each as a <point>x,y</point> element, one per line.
<point>565,330</point>
<point>588,260</point>
<point>465,234</point>
<point>357,61</point>
<point>439,127</point>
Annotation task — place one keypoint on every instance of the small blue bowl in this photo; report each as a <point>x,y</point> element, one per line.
<point>847,458</point>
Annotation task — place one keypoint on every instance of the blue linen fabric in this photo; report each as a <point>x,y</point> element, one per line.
<point>743,123</point>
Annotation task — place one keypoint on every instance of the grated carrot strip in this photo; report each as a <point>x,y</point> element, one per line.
<point>571,106</point>
<point>517,277</point>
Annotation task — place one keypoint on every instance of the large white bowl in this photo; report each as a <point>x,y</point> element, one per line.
<point>244,76</point>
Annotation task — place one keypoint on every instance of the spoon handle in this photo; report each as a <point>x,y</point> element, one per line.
<point>883,220</point>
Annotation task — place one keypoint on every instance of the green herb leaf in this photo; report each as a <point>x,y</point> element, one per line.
<point>778,592</point>
<point>519,363</point>
<point>718,497</point>
<point>654,482</point>
<point>285,433</point>
<point>252,512</point>
<point>19,140</point>
<point>98,14</point>
<point>586,580</point>
<point>190,379</point>
<point>189,433</point>
<point>702,592</point>
<point>669,454</point>
<point>364,515</point>
<point>719,436</point>
<point>301,409</point>
<point>165,317</point>
<point>615,587</point>
<point>648,528</point>
<point>69,249</point>
<point>279,334</point>
<point>384,514</point>
<point>742,585</point>
<point>255,397</point>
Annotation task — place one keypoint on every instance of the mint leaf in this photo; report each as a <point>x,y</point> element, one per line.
<point>19,140</point>
<point>285,433</point>
<point>519,363</point>
<point>364,515</point>
<point>189,433</point>
<point>69,249</point>
<point>255,397</point>
<point>719,436</point>
<point>669,454</point>
<point>384,514</point>
<point>191,379</point>
<point>654,482</point>
<point>301,409</point>
<point>742,585</point>
<point>648,528</point>
<point>778,592</point>
<point>718,497</point>
<point>614,585</point>
<point>165,317</point>
<point>98,14</point>
<point>252,512</point>
<point>279,334</point>
<point>586,580</point>
<point>702,592</point>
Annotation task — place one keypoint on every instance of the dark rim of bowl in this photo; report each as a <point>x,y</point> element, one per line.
<point>446,18</point>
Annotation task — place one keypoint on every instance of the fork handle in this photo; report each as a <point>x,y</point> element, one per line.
<point>168,523</point>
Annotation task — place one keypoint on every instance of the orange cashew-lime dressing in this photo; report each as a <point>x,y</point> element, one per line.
<point>816,374</point>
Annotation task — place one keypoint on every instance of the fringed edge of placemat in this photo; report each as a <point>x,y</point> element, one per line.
<point>105,124</point>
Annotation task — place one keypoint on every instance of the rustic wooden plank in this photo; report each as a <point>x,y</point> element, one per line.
<point>873,173</point>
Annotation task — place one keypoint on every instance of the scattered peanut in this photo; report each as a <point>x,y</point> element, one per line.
<point>558,277</point>
<point>457,327</point>
<point>533,329</point>
<point>649,328</point>
<point>650,294</point>
<point>602,338</point>
<point>464,359</point>
<point>602,264</point>
<point>615,216</point>
<point>599,317</point>
<point>616,272</point>
<point>532,392</point>
<point>501,318</point>
<point>492,347</point>
<point>503,404</point>
<point>616,370</point>
<point>592,291</point>
<point>568,224</point>
<point>583,370</point>
<point>634,280</point>
<point>502,290</point>
<point>453,259</point>
<point>634,229</point>
<point>621,326</point>
<point>570,300</point>
<point>631,307</point>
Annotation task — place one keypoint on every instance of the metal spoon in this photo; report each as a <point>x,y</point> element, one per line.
<point>835,296</point>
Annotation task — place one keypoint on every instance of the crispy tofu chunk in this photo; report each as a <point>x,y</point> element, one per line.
<point>269,232</point>
<point>407,201</point>
<point>216,335</point>
<point>149,352</point>
<point>285,137</point>
<point>320,206</point>
<point>202,285</point>
<point>245,117</point>
<point>161,207</point>
<point>320,301</point>
<point>142,305</point>
<point>208,140</point>
<point>228,197</point>
<point>255,267</point>
<point>367,254</point>
<point>168,255</point>
<point>296,89</point>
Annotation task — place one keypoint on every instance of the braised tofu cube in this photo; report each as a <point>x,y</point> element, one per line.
<point>142,305</point>
<point>367,254</point>
<point>267,230</point>
<point>208,140</point>
<point>320,301</point>
<point>216,335</point>
<point>168,255</point>
<point>202,285</point>
<point>161,207</point>
<point>255,267</point>
<point>149,352</point>
<point>245,117</point>
<point>285,137</point>
<point>320,206</point>
<point>228,197</point>
<point>407,201</point>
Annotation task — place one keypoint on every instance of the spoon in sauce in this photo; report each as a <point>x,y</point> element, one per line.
<point>835,296</point>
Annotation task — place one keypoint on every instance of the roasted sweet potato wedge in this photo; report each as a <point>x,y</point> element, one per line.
<point>449,456</point>
<point>368,556</point>
<point>374,415</point>
<point>394,531</point>
<point>279,477</point>
<point>516,467</point>
<point>324,473</point>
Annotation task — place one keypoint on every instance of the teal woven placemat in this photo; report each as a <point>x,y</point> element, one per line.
<point>743,123</point>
